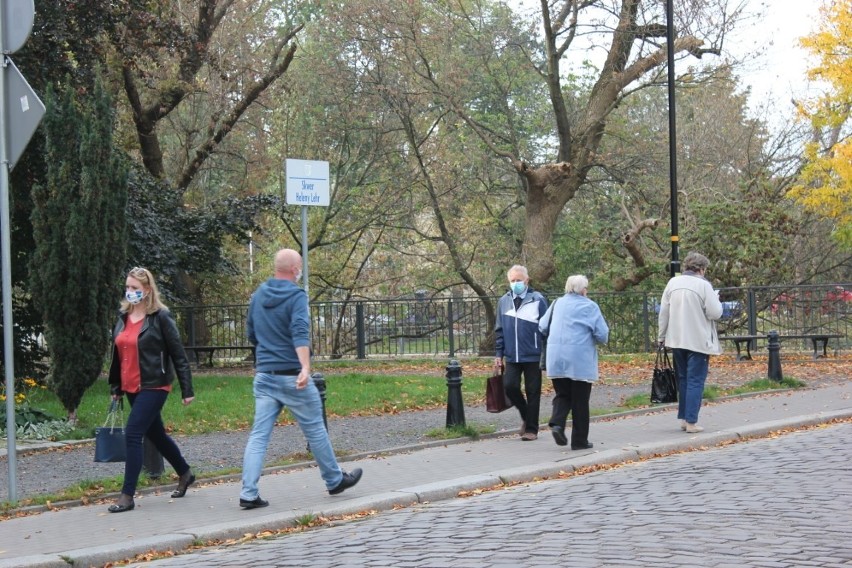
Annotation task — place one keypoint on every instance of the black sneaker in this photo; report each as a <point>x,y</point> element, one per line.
<point>255,503</point>
<point>349,480</point>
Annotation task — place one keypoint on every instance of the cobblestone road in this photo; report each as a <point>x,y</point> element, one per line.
<point>781,502</point>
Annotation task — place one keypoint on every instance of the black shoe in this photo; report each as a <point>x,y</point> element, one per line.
<point>349,480</point>
<point>559,435</point>
<point>184,482</point>
<point>125,503</point>
<point>255,503</point>
<point>586,446</point>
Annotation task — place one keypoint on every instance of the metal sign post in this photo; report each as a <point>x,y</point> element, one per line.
<point>20,113</point>
<point>8,346</point>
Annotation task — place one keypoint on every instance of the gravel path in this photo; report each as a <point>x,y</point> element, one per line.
<point>45,472</point>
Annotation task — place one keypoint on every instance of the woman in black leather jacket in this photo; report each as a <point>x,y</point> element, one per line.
<point>147,351</point>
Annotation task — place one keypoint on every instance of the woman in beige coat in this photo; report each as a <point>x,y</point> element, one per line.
<point>688,313</point>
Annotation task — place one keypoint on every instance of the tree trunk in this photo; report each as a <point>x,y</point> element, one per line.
<point>549,188</point>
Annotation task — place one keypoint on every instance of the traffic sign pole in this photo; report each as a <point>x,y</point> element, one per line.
<point>305,249</point>
<point>20,118</point>
<point>5,237</point>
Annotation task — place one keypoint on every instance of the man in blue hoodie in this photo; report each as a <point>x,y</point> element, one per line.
<point>519,341</point>
<point>278,325</point>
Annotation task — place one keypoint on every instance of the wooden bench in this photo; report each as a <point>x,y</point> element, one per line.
<point>209,350</point>
<point>739,341</point>
<point>817,339</point>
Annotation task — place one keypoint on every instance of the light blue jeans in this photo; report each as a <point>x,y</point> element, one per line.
<point>691,368</point>
<point>271,394</point>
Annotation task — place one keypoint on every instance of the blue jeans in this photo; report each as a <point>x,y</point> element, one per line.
<point>271,394</point>
<point>145,422</point>
<point>691,368</point>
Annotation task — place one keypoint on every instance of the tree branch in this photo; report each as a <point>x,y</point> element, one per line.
<point>251,93</point>
<point>630,240</point>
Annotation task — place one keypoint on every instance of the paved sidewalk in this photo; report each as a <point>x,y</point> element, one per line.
<point>90,536</point>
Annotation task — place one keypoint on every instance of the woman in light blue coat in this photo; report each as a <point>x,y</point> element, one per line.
<point>574,326</point>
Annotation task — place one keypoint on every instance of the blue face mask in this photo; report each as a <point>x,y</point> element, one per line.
<point>518,287</point>
<point>134,296</point>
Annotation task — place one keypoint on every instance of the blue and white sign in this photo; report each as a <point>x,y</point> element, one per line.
<point>307,182</point>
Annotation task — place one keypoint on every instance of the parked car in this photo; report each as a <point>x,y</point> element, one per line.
<point>730,310</point>
<point>836,299</point>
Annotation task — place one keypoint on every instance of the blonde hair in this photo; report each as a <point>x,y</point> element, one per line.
<point>152,299</point>
<point>576,284</point>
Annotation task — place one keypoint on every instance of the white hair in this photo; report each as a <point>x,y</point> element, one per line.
<point>522,270</point>
<point>576,284</point>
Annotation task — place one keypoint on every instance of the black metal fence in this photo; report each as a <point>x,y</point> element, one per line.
<point>451,327</point>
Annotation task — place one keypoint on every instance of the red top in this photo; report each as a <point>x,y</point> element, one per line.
<point>128,352</point>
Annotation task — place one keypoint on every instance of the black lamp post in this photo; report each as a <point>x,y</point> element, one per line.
<point>675,264</point>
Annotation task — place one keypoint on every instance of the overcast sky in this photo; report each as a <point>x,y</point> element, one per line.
<point>779,73</point>
<point>771,30</point>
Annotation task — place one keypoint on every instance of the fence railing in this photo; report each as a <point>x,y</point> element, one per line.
<point>459,326</point>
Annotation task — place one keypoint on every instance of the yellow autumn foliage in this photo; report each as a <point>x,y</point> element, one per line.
<point>825,183</point>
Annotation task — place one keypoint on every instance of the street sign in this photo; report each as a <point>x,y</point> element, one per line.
<point>307,182</point>
<point>23,114</point>
<point>17,23</point>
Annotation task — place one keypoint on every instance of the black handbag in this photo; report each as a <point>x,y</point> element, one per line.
<point>495,396</point>
<point>109,439</point>
<point>664,381</point>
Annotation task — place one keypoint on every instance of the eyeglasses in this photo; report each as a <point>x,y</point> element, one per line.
<point>138,271</point>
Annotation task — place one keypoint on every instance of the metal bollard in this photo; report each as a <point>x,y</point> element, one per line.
<point>455,405</point>
<point>319,381</point>
<point>152,460</point>
<point>774,348</point>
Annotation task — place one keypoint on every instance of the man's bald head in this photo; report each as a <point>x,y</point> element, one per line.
<point>288,263</point>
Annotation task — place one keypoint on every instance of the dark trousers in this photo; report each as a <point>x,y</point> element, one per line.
<point>145,422</point>
<point>572,396</point>
<point>528,407</point>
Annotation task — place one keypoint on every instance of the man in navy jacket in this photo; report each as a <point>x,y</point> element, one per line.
<point>519,341</point>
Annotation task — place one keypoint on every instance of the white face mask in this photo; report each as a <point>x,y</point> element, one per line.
<point>134,296</point>
<point>298,276</point>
